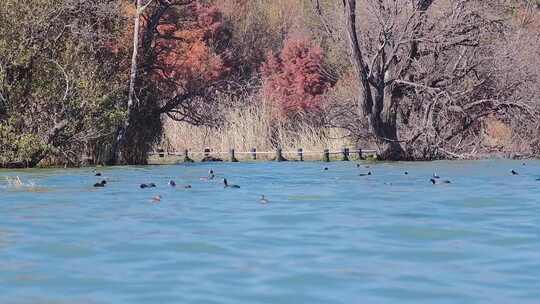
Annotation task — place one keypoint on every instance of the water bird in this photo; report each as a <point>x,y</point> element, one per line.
<point>406,173</point>
<point>436,182</point>
<point>514,172</point>
<point>100,184</point>
<point>365,174</point>
<point>150,185</point>
<point>98,174</point>
<point>210,176</point>
<point>263,200</point>
<point>172,183</point>
<point>187,187</point>
<point>325,169</point>
<point>226,184</point>
<point>435,176</point>
<point>156,199</point>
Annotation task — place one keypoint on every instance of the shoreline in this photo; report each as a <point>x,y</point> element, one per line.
<point>177,160</point>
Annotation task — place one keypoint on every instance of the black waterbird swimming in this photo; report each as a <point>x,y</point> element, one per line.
<point>150,185</point>
<point>226,184</point>
<point>100,184</point>
<point>436,182</point>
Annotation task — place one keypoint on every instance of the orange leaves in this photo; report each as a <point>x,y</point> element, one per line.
<point>294,79</point>
<point>190,62</point>
<point>182,53</point>
<point>185,53</point>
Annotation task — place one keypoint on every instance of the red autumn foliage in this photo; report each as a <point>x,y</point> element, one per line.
<point>294,79</point>
<point>188,51</point>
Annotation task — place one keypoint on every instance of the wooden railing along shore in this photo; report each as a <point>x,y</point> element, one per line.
<point>279,155</point>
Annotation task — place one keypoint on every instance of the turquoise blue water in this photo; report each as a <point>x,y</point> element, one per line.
<point>325,237</point>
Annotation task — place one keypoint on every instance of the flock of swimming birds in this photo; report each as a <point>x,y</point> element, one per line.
<point>211,176</point>
<point>435,180</point>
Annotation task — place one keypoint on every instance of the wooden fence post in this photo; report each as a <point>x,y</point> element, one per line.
<point>254,154</point>
<point>206,152</point>
<point>186,157</point>
<point>279,155</point>
<point>326,156</point>
<point>301,154</point>
<point>161,152</point>
<point>345,152</point>
<point>232,156</point>
<point>360,156</point>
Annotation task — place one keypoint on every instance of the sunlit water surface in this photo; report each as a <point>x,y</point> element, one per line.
<point>325,237</point>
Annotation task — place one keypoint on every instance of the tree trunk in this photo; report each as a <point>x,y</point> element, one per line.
<point>377,101</point>
<point>52,138</point>
<point>119,145</point>
<point>365,102</point>
<point>142,133</point>
<point>383,124</point>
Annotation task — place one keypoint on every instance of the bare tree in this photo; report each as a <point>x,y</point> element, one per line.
<point>424,75</point>
<point>381,77</point>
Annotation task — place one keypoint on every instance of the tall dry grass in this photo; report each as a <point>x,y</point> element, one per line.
<point>250,127</point>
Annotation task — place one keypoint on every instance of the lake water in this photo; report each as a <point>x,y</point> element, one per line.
<point>325,237</point>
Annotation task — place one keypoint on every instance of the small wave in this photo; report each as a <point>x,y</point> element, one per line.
<point>16,184</point>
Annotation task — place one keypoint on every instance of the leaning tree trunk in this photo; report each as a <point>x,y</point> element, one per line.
<point>52,138</point>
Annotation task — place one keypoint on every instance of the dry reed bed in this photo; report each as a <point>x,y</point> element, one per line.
<point>251,127</point>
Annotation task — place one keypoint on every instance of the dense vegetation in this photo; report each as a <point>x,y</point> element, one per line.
<point>99,81</point>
